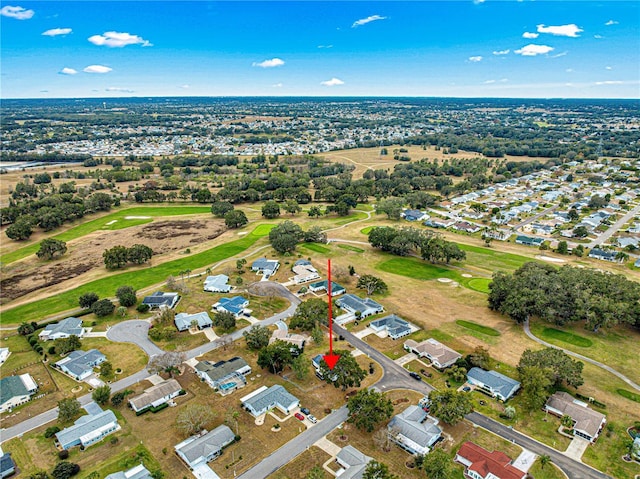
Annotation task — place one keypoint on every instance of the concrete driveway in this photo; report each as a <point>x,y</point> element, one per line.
<point>136,332</point>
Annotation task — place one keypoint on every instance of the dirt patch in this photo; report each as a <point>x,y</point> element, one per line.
<point>85,254</point>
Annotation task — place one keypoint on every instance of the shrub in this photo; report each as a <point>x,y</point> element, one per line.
<point>64,454</point>
<point>51,431</point>
<point>142,308</point>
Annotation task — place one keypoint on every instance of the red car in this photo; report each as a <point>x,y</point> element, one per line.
<point>299,416</point>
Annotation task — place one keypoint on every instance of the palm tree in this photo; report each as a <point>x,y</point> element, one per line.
<point>566,421</point>
<point>544,460</point>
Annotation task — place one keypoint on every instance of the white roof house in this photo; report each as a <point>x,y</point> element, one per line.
<point>496,384</point>
<point>16,390</point>
<point>137,472</point>
<point>217,284</point>
<point>4,354</point>
<point>88,430</point>
<point>263,399</point>
<point>224,376</point>
<point>353,463</point>
<point>183,320</point>
<point>156,395</point>
<point>414,431</point>
<point>79,364</point>
<point>200,449</point>
<point>65,328</point>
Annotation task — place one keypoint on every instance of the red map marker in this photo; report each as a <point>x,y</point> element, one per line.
<point>331,359</point>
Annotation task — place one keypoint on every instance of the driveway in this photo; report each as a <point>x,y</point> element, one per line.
<point>577,448</point>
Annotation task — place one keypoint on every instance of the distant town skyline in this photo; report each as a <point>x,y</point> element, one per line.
<point>527,49</point>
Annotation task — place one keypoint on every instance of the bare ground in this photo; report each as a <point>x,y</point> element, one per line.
<point>85,254</point>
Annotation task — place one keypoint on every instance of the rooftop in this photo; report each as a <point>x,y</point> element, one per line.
<point>206,444</point>
<point>496,381</point>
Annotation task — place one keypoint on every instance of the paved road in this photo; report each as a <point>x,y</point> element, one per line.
<point>534,217</point>
<point>614,227</point>
<point>136,332</point>
<point>296,446</point>
<point>572,468</point>
<point>528,332</point>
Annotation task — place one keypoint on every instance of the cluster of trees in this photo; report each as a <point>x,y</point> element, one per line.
<point>404,241</point>
<point>104,307</point>
<point>566,294</point>
<point>288,234</point>
<point>50,248</point>
<point>346,373</point>
<point>119,256</point>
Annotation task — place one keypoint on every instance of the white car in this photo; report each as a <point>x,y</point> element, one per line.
<point>312,418</point>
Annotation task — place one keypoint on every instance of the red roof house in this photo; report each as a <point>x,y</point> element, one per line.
<point>482,464</point>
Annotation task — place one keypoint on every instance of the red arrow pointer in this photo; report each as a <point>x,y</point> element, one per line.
<point>331,359</point>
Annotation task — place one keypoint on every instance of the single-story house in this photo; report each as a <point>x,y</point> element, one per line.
<point>466,227</point>
<point>352,462</point>
<point>161,300</point>
<point>4,354</point>
<point>625,241</point>
<point>156,395</point>
<point>528,241</point>
<point>203,448</point>
<point>138,472</point>
<point>304,272</point>
<point>439,223</point>
<point>225,376</point>
<point>493,383</point>
<point>88,430</point>
<point>16,390</point>
<point>235,305</point>
<point>414,215</point>
<point>263,399</point>
<point>637,263</point>
<point>183,320</point>
<point>441,356</point>
<point>217,284</point>
<point>336,289</point>
<point>7,466</point>
<point>315,362</point>
<point>414,431</point>
<point>80,364</point>
<point>353,304</point>
<point>65,328</point>
<point>635,449</point>
<point>266,267</point>
<point>587,422</point>
<point>598,253</point>
<point>298,340</point>
<point>482,464</point>
<point>395,326</point>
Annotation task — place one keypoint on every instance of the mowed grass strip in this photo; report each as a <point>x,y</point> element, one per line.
<point>351,248</point>
<point>629,395</point>
<point>479,328</point>
<point>138,279</point>
<point>492,259</point>
<point>479,284</point>
<point>101,224</point>
<point>367,230</point>
<point>566,337</point>
<point>315,247</point>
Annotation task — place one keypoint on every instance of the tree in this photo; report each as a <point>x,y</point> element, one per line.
<point>579,251</point>
<point>368,408</point>
<point>257,337</point>
<point>377,470</point>
<point>126,296</point>
<point>310,314</point>
<point>438,465</point>
<point>544,460</point>
<point>25,329</point>
<point>300,367</point>
<point>457,373</point>
<point>392,207</point>
<point>101,394</point>
<point>292,207</point>
<point>139,254</point>
<point>66,345</point>
<point>167,362</point>
<point>450,406</point>
<point>115,257</point>
<point>65,470</point>
<point>580,232</point>
<point>277,356</point>
<point>50,248</point>
<point>106,369</point>
<point>372,284</point>
<point>315,235</point>
<point>535,386</point>
<point>346,373</point>
<point>566,421</point>
<point>39,475</point>
<point>271,210</point>
<point>316,472</point>
<point>235,219</point>
<point>103,307</point>
<point>563,248</point>
<point>193,418</point>
<point>285,237</point>
<point>224,320</point>
<point>509,412</point>
<point>480,358</point>
<point>221,208</point>
<point>240,264</point>
<point>317,334</point>
<point>87,299</point>
<point>573,214</point>
<point>315,212</point>
<point>119,397</point>
<point>68,409</point>
<point>20,230</point>
<point>559,365</point>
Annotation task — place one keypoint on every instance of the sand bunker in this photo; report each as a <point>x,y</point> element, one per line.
<point>550,259</point>
<point>466,275</point>
<point>111,222</point>
<point>137,217</point>
<point>444,280</point>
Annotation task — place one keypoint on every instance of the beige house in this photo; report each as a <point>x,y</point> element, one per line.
<point>587,422</point>
<point>440,355</point>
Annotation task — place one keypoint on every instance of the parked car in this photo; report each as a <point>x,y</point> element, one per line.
<point>415,376</point>
<point>304,410</point>
<point>312,418</point>
<point>299,416</point>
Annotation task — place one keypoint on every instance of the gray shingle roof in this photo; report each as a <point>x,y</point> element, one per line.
<point>496,381</point>
<point>586,419</point>
<point>218,282</point>
<point>411,424</point>
<point>183,320</point>
<point>355,461</point>
<point>70,326</point>
<point>85,425</point>
<point>275,394</point>
<point>209,443</point>
<point>356,303</point>
<point>160,390</point>
<point>265,265</point>
<point>10,387</point>
<point>394,324</point>
<point>221,369</point>
<point>138,472</point>
<point>77,362</point>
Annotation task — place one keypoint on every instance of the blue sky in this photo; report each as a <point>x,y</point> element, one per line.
<point>529,49</point>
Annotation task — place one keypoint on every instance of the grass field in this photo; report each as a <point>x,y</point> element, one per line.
<point>566,337</point>
<point>629,395</point>
<point>479,284</point>
<point>101,224</point>
<point>550,471</point>
<point>351,248</point>
<point>492,259</point>
<point>315,247</point>
<point>478,327</point>
<point>138,279</point>
<point>367,230</point>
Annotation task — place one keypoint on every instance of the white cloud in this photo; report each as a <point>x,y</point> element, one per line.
<point>325,46</point>
<point>532,50</point>
<point>502,52</point>
<point>185,86</point>
<point>562,54</point>
<point>118,39</point>
<point>478,2</point>
<point>475,59</point>
<point>489,82</point>
<point>504,80</point>
<point>570,30</point>
<point>611,22</point>
<point>608,68</point>
<point>274,62</point>
<point>569,70</point>
<point>57,31</point>
<point>598,37</point>
<point>277,85</point>
<point>610,82</point>
<point>364,21</point>
<point>530,35</point>
<point>19,13</point>
<point>68,71</point>
<point>97,69</point>
<point>118,89</point>
<point>333,82</point>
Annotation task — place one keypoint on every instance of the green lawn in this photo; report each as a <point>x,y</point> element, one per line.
<point>492,259</point>
<point>315,247</point>
<point>479,284</point>
<point>629,395</point>
<point>351,248</point>
<point>101,224</point>
<point>343,220</point>
<point>478,327</point>
<point>550,471</point>
<point>367,230</point>
<point>138,279</point>
<point>566,337</point>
